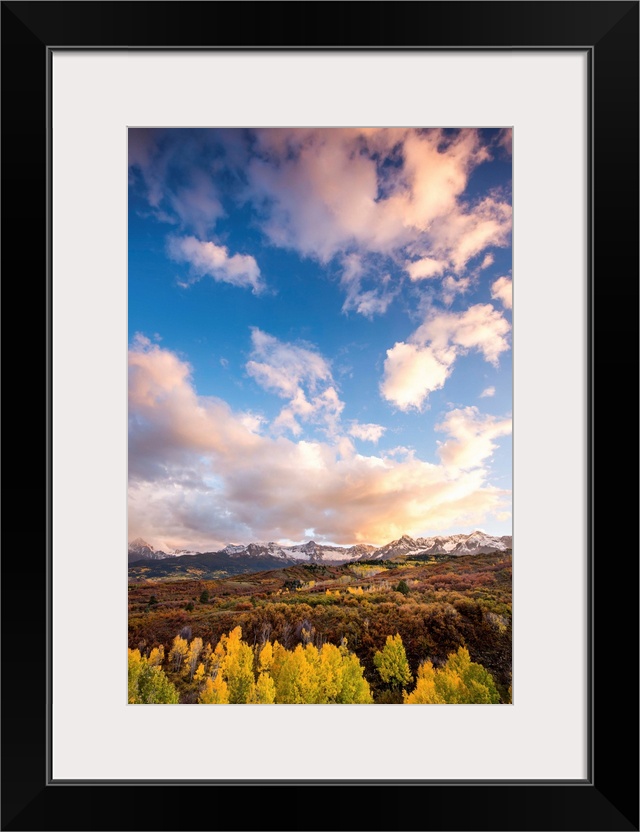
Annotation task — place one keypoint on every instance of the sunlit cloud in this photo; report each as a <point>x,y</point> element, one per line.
<point>348,194</point>
<point>414,369</point>
<point>202,474</point>
<point>366,432</point>
<point>471,437</point>
<point>207,258</point>
<point>501,290</point>
<point>299,374</point>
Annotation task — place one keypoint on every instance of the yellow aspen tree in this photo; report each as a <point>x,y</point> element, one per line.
<point>179,650</point>
<point>265,690</point>
<point>355,688</point>
<point>192,657</point>
<point>279,655</point>
<point>287,675</point>
<point>265,658</point>
<point>476,685</point>
<point>205,656</point>
<point>147,684</point>
<point>215,692</point>
<point>392,664</point>
<point>198,676</point>
<point>156,656</point>
<point>237,667</point>
<point>330,673</point>
<point>425,692</point>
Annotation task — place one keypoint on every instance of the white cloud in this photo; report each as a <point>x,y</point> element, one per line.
<point>324,193</point>
<point>368,302</point>
<point>487,260</point>
<point>299,374</point>
<point>387,196</point>
<point>471,439</point>
<point>505,140</point>
<point>207,258</point>
<point>414,369</point>
<point>452,287</point>
<point>201,474</point>
<point>425,268</point>
<point>488,392</point>
<point>177,171</point>
<point>501,290</point>
<point>411,372</point>
<point>366,432</point>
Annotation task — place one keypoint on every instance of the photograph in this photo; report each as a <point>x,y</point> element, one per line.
<point>320,397</point>
<point>328,306</point>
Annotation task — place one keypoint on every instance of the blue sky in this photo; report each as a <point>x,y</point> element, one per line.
<point>320,334</point>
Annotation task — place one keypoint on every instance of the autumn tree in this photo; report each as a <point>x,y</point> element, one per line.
<point>215,692</point>
<point>156,656</point>
<point>192,657</point>
<point>265,690</point>
<point>391,663</point>
<point>459,681</point>
<point>179,650</point>
<point>233,659</point>
<point>425,692</point>
<point>147,683</point>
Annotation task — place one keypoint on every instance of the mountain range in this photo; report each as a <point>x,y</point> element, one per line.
<point>273,555</point>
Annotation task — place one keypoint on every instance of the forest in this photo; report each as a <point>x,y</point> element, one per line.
<point>424,631</point>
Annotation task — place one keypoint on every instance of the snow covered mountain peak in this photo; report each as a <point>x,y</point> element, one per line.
<point>476,543</point>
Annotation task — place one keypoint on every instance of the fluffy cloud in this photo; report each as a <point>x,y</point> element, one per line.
<point>389,197</point>
<point>388,192</point>
<point>368,302</point>
<point>201,474</point>
<point>425,268</point>
<point>366,432</point>
<point>488,392</point>
<point>505,140</point>
<point>472,437</point>
<point>207,258</point>
<point>411,372</point>
<point>452,287</point>
<point>177,169</point>
<point>501,290</point>
<point>298,374</point>
<point>416,368</point>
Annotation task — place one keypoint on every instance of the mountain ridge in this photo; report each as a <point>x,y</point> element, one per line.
<point>477,542</point>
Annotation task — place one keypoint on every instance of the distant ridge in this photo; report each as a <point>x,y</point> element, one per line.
<point>271,555</point>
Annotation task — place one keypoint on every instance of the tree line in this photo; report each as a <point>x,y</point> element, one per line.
<point>234,672</point>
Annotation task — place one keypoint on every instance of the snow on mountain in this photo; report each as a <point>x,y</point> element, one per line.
<point>476,543</point>
<point>139,549</point>
<point>480,543</point>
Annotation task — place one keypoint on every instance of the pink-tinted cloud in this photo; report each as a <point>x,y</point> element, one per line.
<point>472,437</point>
<point>201,474</point>
<point>180,190</point>
<point>414,369</point>
<point>300,375</point>
<point>386,197</point>
<point>425,268</point>
<point>501,290</point>
<point>323,193</point>
<point>368,302</point>
<point>366,432</point>
<point>207,258</point>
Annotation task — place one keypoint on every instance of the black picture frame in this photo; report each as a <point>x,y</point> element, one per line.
<point>608,798</point>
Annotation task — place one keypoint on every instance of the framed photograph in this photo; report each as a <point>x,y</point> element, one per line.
<point>342,430</point>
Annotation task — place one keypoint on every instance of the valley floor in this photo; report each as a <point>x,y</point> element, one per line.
<point>435,604</point>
